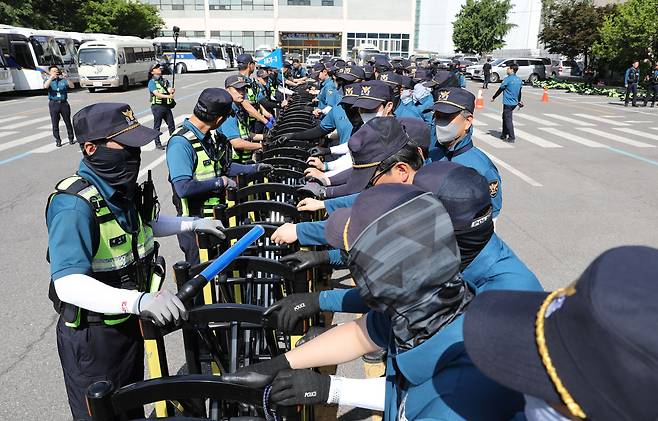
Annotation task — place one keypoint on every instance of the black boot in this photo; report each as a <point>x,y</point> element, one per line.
<point>58,143</point>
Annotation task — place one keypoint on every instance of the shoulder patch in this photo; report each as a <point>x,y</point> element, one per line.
<point>493,188</point>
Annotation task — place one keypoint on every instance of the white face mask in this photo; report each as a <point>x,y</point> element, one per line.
<point>366,117</point>
<point>447,134</point>
<point>420,92</point>
<point>538,410</point>
<point>406,96</point>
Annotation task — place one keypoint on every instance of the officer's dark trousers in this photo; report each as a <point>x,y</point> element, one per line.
<point>631,88</point>
<point>653,90</point>
<point>97,352</point>
<point>508,123</point>
<point>63,109</point>
<point>187,243</point>
<point>160,112</point>
<point>487,79</point>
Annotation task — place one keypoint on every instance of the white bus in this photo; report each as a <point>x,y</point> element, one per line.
<point>217,54</point>
<point>67,50</point>
<point>28,56</point>
<point>6,81</point>
<point>262,51</point>
<point>112,63</point>
<point>190,54</point>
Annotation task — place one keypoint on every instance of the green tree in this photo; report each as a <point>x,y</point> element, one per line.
<point>572,27</point>
<point>629,33</point>
<point>481,26</point>
<point>121,17</point>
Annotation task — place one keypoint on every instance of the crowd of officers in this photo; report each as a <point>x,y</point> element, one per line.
<point>411,203</point>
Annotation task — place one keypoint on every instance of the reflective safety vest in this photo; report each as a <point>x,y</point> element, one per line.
<point>206,168</point>
<point>161,88</point>
<point>242,156</point>
<point>121,259</point>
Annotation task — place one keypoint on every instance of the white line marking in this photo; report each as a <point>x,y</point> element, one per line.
<point>573,138</point>
<point>638,121</point>
<point>536,140</point>
<point>612,136</point>
<point>499,118</point>
<point>26,123</point>
<point>23,141</point>
<point>536,119</point>
<point>46,148</point>
<point>193,84</point>
<point>480,136</point>
<point>16,117</point>
<point>601,120</point>
<point>637,133</point>
<point>570,120</point>
<point>7,134</point>
<point>513,170</point>
<point>654,128</point>
<point>152,165</point>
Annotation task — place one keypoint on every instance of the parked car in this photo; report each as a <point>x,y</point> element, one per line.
<point>530,69</point>
<point>312,59</point>
<point>472,59</point>
<point>565,69</point>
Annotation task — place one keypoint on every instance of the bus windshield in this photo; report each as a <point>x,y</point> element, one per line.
<point>97,56</point>
<point>66,50</point>
<point>44,49</point>
<point>216,51</point>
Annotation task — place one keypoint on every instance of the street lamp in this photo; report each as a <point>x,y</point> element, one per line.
<point>176,34</point>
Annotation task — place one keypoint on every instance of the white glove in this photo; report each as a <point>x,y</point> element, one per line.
<point>209,226</point>
<point>161,307</point>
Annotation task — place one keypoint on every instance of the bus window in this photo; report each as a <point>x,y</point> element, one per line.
<point>130,55</point>
<point>43,49</point>
<point>197,52</point>
<point>97,56</point>
<point>22,55</point>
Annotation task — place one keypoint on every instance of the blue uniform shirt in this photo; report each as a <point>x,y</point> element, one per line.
<point>437,380</point>
<point>230,128</point>
<point>332,204</point>
<point>337,119</point>
<point>327,95</point>
<point>628,74</point>
<point>466,154</point>
<point>424,104</point>
<point>511,89</point>
<point>58,90</point>
<point>298,73</point>
<point>311,233</point>
<point>181,157</point>
<point>72,233</point>
<point>407,110</point>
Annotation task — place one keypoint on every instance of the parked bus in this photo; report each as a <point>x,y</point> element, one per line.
<point>28,56</point>
<point>361,53</point>
<point>190,54</point>
<point>113,63</point>
<point>262,51</point>
<point>67,50</point>
<point>217,55</point>
<point>6,81</point>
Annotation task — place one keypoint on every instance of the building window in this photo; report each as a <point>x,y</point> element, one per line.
<point>327,2</point>
<point>177,7</point>
<point>392,44</point>
<point>299,2</point>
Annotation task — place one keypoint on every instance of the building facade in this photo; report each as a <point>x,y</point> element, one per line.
<point>298,26</point>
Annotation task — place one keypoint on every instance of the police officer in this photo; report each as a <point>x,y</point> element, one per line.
<point>631,79</point>
<point>298,71</point>
<point>486,71</point>
<point>653,87</point>
<point>453,120</point>
<point>58,85</point>
<point>162,101</point>
<point>511,90</point>
<point>258,117</point>
<point>102,255</point>
<point>199,165</point>
<point>328,95</point>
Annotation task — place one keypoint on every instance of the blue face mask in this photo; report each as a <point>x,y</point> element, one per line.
<point>539,410</point>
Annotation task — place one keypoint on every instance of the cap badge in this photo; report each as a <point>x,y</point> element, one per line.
<point>130,116</point>
<point>347,70</point>
<point>383,77</point>
<point>365,90</point>
<point>349,91</point>
<point>444,95</point>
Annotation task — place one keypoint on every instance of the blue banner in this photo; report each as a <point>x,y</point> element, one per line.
<point>274,59</point>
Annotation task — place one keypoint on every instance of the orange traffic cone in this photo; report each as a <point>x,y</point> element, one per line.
<point>544,98</point>
<point>479,102</point>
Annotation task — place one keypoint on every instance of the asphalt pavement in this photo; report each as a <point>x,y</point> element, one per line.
<point>581,178</point>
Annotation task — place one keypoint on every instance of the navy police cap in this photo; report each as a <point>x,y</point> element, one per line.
<point>112,121</point>
<point>453,100</point>
<point>214,102</point>
<point>373,94</point>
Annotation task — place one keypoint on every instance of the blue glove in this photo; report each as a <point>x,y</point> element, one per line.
<point>270,123</point>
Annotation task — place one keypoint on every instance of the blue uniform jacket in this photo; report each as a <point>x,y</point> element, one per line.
<point>495,267</point>
<point>426,104</point>
<point>337,119</point>
<point>511,89</point>
<point>327,95</point>
<point>437,380</point>
<point>466,154</point>
<point>72,233</point>
<point>628,73</point>
<point>407,110</point>
<point>58,90</point>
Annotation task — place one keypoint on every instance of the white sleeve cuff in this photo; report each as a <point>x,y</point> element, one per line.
<point>167,225</point>
<point>326,109</point>
<point>341,149</point>
<point>91,294</point>
<point>360,393</point>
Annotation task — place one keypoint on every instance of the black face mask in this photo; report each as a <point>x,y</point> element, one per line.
<point>117,167</point>
<point>473,240</point>
<point>354,117</point>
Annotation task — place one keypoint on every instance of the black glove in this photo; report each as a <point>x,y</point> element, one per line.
<point>264,168</point>
<point>319,151</point>
<point>303,260</point>
<point>293,308</point>
<point>313,189</point>
<point>282,140</point>
<point>300,387</point>
<point>310,179</point>
<point>258,375</point>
